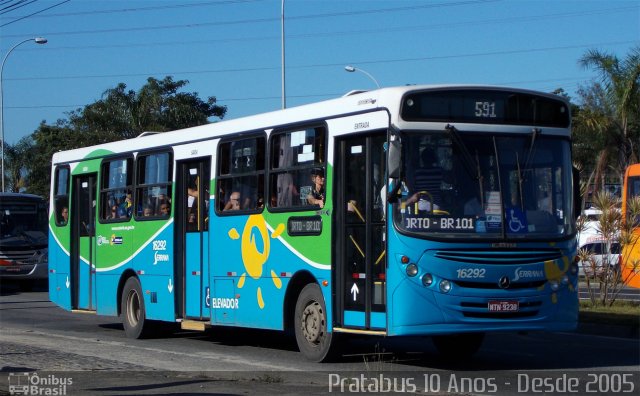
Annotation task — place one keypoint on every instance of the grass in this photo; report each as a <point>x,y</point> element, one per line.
<point>624,313</point>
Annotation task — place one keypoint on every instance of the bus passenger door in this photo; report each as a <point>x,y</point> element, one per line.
<point>83,223</point>
<point>361,255</point>
<point>192,219</point>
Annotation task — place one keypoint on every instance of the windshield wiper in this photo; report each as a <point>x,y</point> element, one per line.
<point>534,134</point>
<point>472,167</point>
<point>467,159</point>
<point>520,179</point>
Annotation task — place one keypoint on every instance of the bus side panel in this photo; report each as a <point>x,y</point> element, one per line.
<point>251,267</point>
<point>147,249</point>
<point>59,270</point>
<point>107,285</point>
<point>153,262</point>
<point>114,249</point>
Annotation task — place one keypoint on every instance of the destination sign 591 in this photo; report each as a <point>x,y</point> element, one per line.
<point>439,223</point>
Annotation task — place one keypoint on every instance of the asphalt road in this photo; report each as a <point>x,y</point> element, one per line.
<point>89,354</point>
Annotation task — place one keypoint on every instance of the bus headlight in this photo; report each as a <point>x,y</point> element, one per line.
<point>565,279</point>
<point>554,285</point>
<point>445,286</point>
<point>412,270</point>
<point>427,279</point>
<point>573,269</point>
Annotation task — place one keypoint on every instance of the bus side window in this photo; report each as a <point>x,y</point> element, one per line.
<point>241,175</point>
<point>154,187</point>
<point>115,190</point>
<point>294,157</point>
<point>61,196</point>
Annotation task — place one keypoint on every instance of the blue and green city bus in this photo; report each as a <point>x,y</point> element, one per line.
<point>445,211</point>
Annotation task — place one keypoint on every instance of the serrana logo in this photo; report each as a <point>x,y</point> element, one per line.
<point>160,257</point>
<point>520,273</point>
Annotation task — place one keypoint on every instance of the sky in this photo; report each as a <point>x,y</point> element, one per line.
<point>231,49</point>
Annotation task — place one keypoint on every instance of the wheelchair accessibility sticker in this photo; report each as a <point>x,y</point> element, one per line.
<point>516,220</point>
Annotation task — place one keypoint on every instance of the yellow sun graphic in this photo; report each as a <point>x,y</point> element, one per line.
<point>253,258</point>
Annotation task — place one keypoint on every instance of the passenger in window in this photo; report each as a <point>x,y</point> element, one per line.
<point>544,202</point>
<point>220,198</point>
<point>234,201</point>
<point>147,211</point>
<point>316,197</point>
<point>114,212</point>
<point>260,203</point>
<point>64,213</point>
<point>126,207</point>
<point>287,191</point>
<point>162,198</point>
<point>164,210</point>
<point>191,222</point>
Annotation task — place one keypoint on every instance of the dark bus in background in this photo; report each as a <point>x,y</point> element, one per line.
<point>23,237</point>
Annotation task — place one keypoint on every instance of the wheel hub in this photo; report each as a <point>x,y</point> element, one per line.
<point>133,305</point>
<point>313,322</point>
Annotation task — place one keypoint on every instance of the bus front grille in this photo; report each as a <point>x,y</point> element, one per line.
<point>498,256</point>
<point>23,256</point>
<point>513,286</point>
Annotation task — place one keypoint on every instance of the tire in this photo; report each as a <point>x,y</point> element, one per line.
<point>133,310</point>
<point>455,346</point>
<point>314,341</point>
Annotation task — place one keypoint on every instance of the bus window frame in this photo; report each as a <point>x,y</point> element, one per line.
<point>130,187</point>
<point>220,178</point>
<point>322,163</point>
<point>139,187</point>
<point>57,197</point>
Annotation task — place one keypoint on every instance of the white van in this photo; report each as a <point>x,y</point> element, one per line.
<point>598,248</point>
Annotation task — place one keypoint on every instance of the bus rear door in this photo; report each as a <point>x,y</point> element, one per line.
<point>83,226</point>
<point>360,237</point>
<point>192,233</point>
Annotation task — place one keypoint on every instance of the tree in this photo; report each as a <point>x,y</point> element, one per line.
<point>157,106</point>
<point>47,139</point>
<point>119,114</point>
<point>17,159</point>
<point>608,123</point>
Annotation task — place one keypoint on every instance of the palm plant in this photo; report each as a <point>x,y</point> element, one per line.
<point>610,115</point>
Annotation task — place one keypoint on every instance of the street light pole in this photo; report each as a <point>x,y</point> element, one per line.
<point>352,69</point>
<point>38,40</point>
<point>284,98</point>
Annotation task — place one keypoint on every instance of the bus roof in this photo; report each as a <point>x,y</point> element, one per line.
<point>354,102</point>
<point>12,195</point>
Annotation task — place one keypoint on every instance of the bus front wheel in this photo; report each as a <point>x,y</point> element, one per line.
<point>458,345</point>
<point>314,340</point>
<point>133,311</point>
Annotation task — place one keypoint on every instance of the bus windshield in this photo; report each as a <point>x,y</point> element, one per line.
<point>23,222</point>
<point>490,186</point>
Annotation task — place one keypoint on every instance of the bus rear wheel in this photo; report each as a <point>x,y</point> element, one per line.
<point>133,310</point>
<point>456,346</point>
<point>314,340</point>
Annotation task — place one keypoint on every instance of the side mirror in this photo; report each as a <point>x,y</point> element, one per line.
<point>395,163</point>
